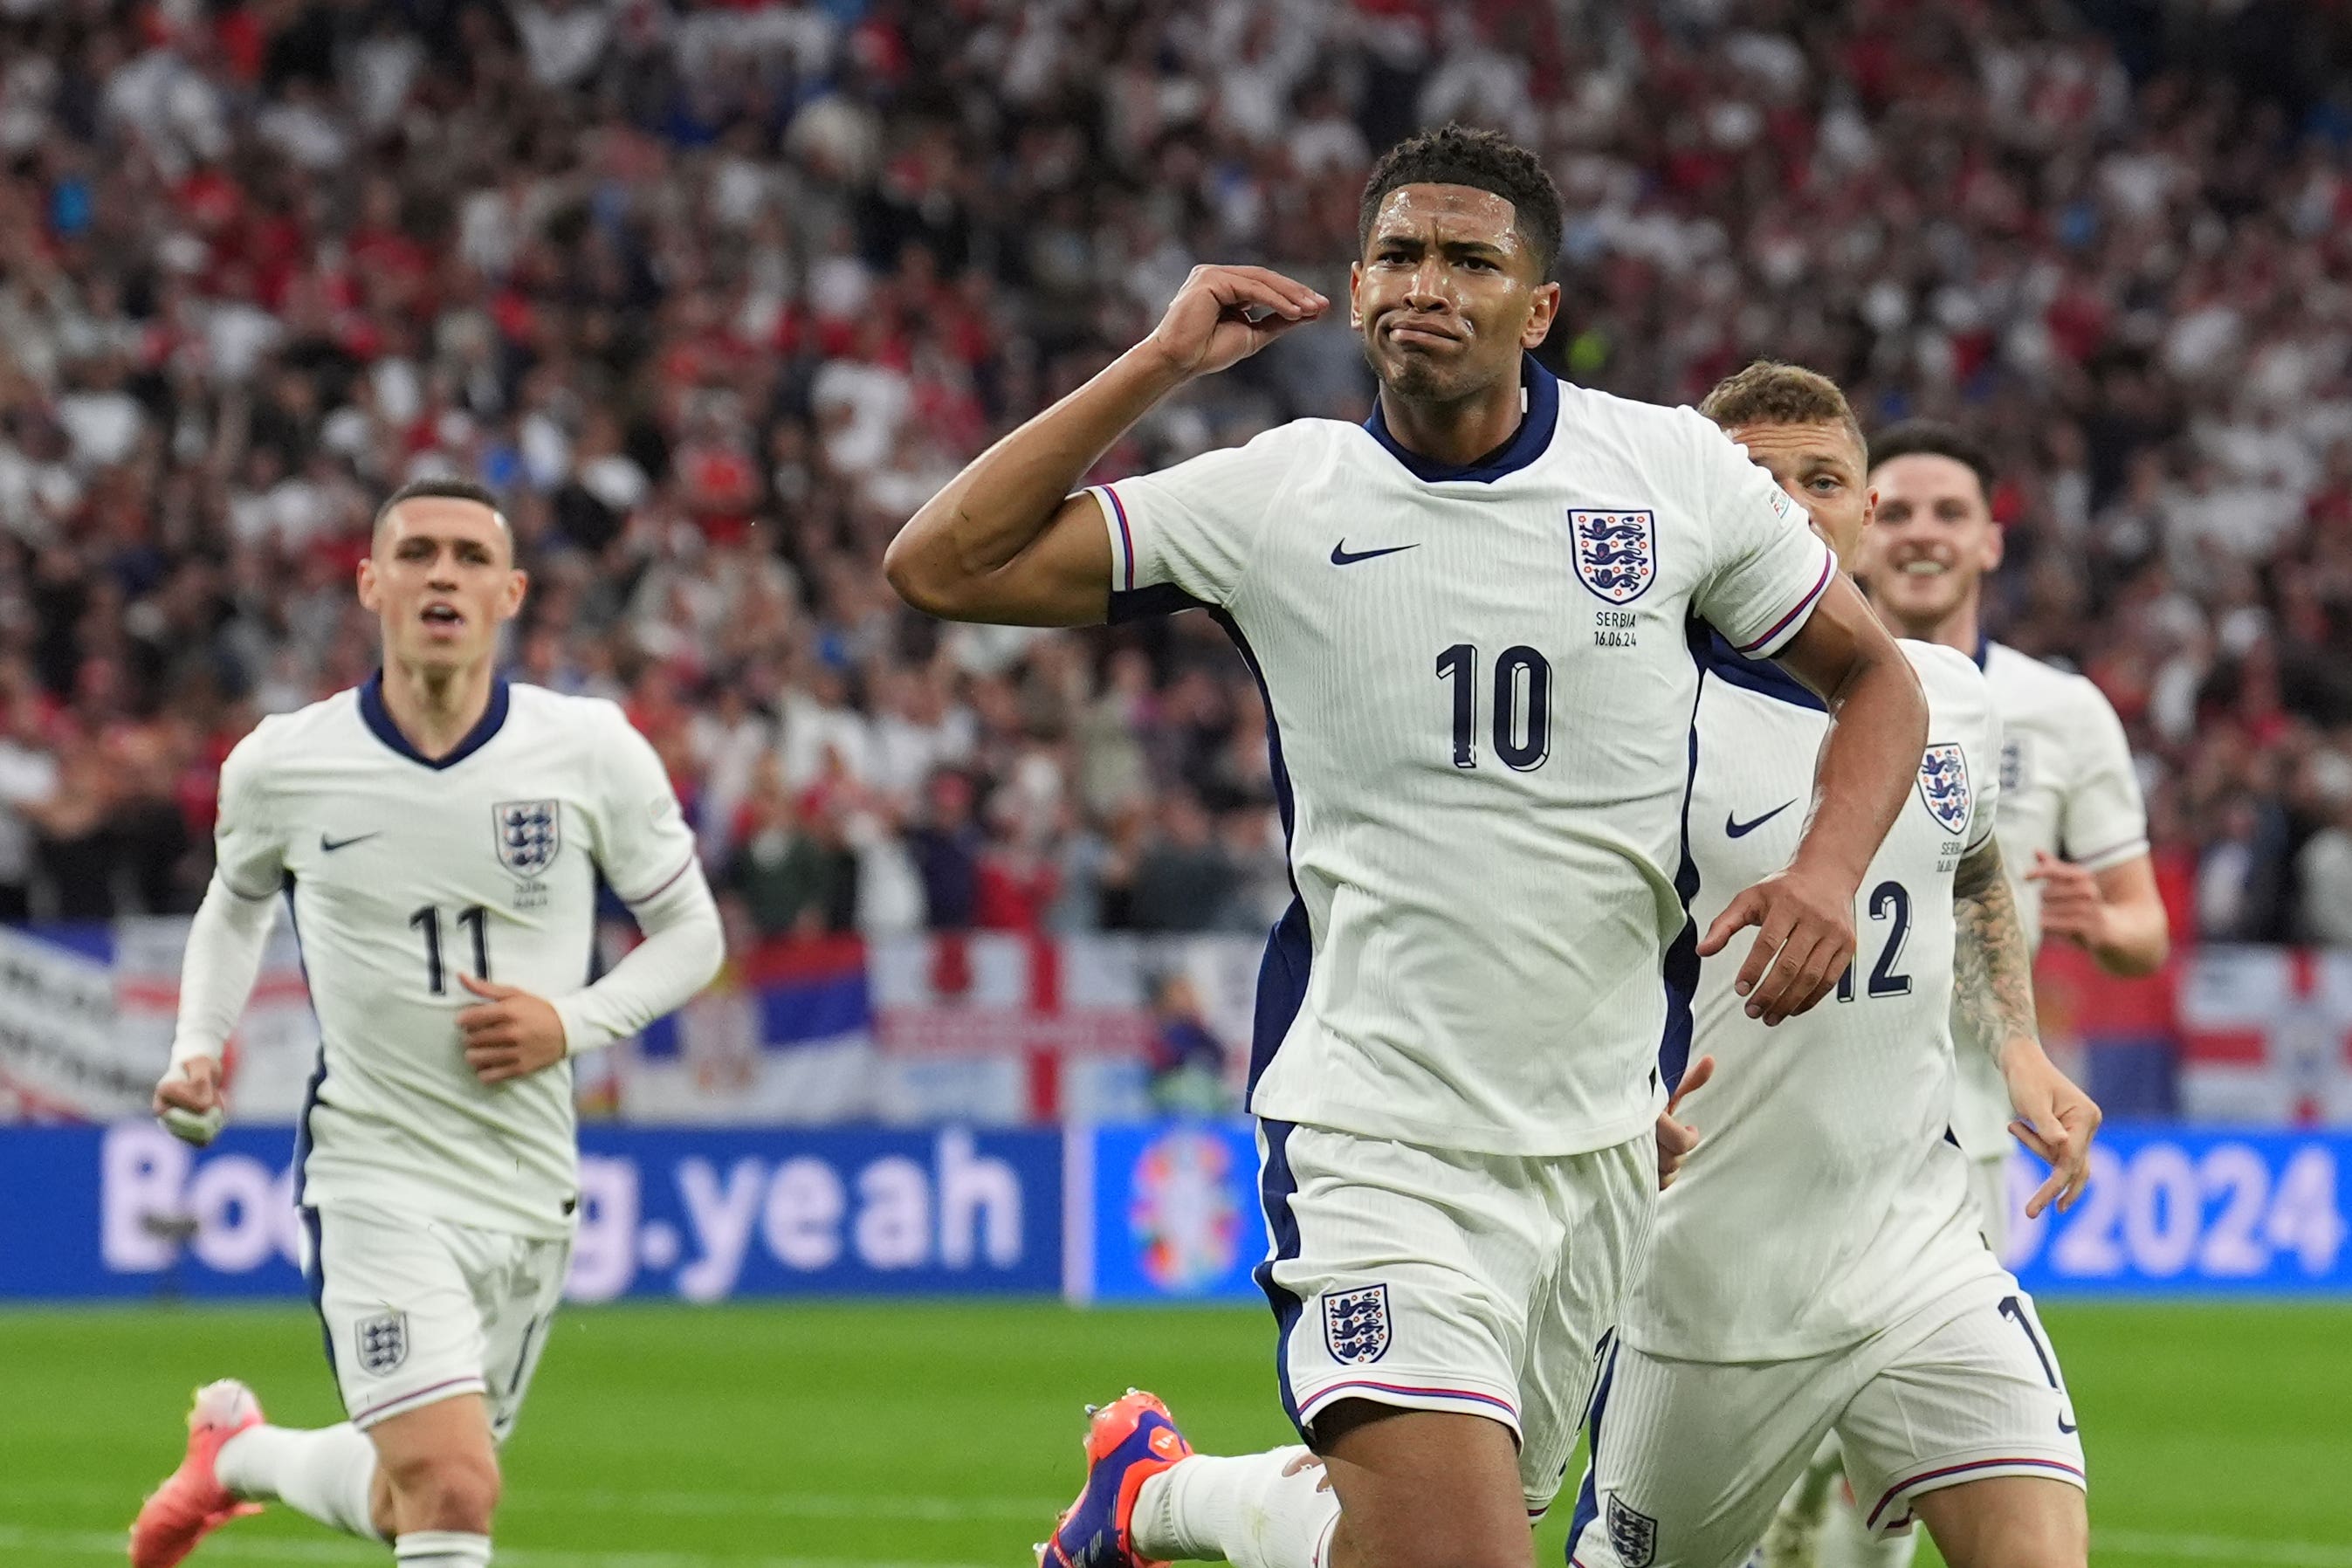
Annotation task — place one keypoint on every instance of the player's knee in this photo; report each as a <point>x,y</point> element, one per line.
<point>2043,1538</point>
<point>1432,1541</point>
<point>446,1491</point>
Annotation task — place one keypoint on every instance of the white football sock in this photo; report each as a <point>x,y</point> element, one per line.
<point>441,1549</point>
<point>1242,1510</point>
<point>1846,1544</point>
<point>325,1474</point>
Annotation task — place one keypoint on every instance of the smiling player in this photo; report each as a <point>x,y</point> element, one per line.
<point>1817,1268</point>
<point>2066,769</point>
<point>1467,616</point>
<point>439,834</point>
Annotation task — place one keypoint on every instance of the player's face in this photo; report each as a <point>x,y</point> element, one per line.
<point>442,579</point>
<point>1820,465</point>
<point>1447,294</point>
<point>1933,542</point>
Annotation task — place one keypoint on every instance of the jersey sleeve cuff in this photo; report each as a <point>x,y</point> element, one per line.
<point>2113,855</point>
<point>1121,529</point>
<point>1777,636</point>
<point>580,1035</point>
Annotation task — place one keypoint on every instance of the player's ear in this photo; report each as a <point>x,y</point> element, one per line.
<point>367,583</point>
<point>1996,544</point>
<point>1355,309</point>
<point>1542,306</point>
<point>510,602</point>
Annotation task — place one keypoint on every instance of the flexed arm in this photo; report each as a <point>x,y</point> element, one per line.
<point>1005,542</point>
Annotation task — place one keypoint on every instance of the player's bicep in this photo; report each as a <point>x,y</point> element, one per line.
<point>1062,578</point>
<point>1836,639</point>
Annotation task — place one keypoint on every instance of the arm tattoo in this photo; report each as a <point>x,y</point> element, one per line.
<point>1993,969</point>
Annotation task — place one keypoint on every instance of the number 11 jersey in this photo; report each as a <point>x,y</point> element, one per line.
<point>405,874</point>
<point>1479,683</point>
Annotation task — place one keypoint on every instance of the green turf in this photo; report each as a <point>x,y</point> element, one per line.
<point>945,1435</point>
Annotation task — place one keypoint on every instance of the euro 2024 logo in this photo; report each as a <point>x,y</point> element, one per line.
<point>1186,1222</point>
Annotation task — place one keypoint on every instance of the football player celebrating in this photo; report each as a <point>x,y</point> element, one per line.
<point>1817,1270</point>
<point>439,835</point>
<point>1468,617</point>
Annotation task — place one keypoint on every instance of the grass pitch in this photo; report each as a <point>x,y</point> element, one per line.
<point>946,1434</point>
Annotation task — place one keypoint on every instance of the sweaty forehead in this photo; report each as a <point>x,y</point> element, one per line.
<point>1449,212</point>
<point>443,517</point>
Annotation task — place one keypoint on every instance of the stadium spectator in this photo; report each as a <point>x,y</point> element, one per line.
<point>717,295</point>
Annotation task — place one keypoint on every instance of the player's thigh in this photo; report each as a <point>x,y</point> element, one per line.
<point>1603,1203</point>
<point>1401,1275</point>
<point>518,1283</point>
<point>403,1326</point>
<point>2008,1521</point>
<point>1978,1395</point>
<point>1422,1489</point>
<point>1688,1459</point>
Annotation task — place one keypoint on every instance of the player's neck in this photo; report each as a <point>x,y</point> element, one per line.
<point>436,709</point>
<point>1961,627</point>
<point>1460,431</point>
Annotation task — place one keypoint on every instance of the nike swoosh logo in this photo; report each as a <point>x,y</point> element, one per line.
<point>1735,829</point>
<point>331,845</point>
<point>1341,556</point>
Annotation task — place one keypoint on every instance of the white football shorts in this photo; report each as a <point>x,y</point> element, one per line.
<point>1690,1459</point>
<point>418,1309</point>
<point>1477,1283</point>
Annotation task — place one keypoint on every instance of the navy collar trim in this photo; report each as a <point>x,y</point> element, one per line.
<point>1984,650</point>
<point>378,719</point>
<point>1527,443</point>
<point>1760,676</point>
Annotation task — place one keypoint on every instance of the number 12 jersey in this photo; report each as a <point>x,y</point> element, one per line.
<point>1480,686</point>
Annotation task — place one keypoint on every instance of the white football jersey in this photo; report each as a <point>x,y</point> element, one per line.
<point>403,875</point>
<point>1826,1198</point>
<point>1479,687</point>
<point>2067,787</point>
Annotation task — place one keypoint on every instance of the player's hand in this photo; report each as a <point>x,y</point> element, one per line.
<point>510,1033</point>
<point>1678,1139</point>
<point>1804,941</point>
<point>2070,905</point>
<point>188,1101</point>
<point>1209,325</point>
<point>2055,1118</point>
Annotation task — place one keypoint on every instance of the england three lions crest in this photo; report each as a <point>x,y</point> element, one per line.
<point>1944,786</point>
<point>1616,553</point>
<point>528,832</point>
<point>1355,1324</point>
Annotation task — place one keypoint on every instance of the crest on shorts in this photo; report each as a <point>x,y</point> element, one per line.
<point>383,1341</point>
<point>1633,1534</point>
<point>1355,1324</point>
<point>1616,553</point>
<point>1943,786</point>
<point>528,832</point>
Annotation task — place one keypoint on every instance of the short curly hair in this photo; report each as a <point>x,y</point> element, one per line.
<point>1483,160</point>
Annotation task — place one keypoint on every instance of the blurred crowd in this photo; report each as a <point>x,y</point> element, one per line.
<point>718,291</point>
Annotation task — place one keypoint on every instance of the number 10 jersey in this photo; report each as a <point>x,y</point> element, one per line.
<point>1479,681</point>
<point>405,875</point>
